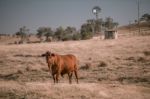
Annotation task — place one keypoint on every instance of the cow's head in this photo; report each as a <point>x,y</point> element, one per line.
<point>50,57</point>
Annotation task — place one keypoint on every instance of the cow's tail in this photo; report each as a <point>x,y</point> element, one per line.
<point>76,65</point>
<point>76,70</point>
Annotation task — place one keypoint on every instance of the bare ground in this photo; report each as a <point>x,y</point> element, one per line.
<point>108,69</point>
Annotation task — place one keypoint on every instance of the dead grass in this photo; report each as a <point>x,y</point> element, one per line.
<point>46,90</point>
<point>107,69</point>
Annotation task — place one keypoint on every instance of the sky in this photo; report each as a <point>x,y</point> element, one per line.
<point>33,14</point>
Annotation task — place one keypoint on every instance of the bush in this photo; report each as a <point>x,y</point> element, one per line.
<point>146,53</point>
<point>66,37</point>
<point>102,64</point>
<point>76,36</point>
<point>86,67</point>
<point>86,35</point>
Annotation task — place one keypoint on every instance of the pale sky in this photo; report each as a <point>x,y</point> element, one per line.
<point>54,13</point>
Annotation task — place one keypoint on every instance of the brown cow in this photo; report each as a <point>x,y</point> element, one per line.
<point>61,64</point>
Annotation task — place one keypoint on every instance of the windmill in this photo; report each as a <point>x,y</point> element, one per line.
<point>96,10</point>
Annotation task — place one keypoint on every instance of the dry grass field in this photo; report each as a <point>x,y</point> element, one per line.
<point>108,69</point>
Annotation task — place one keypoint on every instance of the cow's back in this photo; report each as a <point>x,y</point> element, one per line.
<point>69,62</point>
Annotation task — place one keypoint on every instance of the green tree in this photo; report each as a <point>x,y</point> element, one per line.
<point>44,31</point>
<point>48,33</point>
<point>92,24</point>
<point>86,31</point>
<point>40,32</point>
<point>96,25</point>
<point>110,24</point>
<point>59,33</point>
<point>76,36</point>
<point>23,33</point>
<point>145,17</point>
<point>68,33</point>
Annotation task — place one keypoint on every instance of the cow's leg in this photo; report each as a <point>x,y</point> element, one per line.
<point>76,74</point>
<point>54,78</point>
<point>57,77</point>
<point>49,67</point>
<point>70,77</point>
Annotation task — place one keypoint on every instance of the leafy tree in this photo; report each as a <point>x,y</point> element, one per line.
<point>93,27</point>
<point>92,24</point>
<point>110,24</point>
<point>96,25</point>
<point>68,33</point>
<point>145,17</point>
<point>115,24</point>
<point>86,31</point>
<point>76,36</point>
<point>44,31</point>
<point>18,33</point>
<point>22,33</point>
<point>48,33</point>
<point>59,33</point>
<point>40,32</point>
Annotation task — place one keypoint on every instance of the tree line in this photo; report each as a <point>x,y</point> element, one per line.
<point>60,34</point>
<point>88,29</point>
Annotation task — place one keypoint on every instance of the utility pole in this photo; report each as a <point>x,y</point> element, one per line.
<point>129,26</point>
<point>139,30</point>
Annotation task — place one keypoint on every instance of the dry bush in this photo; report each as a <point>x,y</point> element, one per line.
<point>130,58</point>
<point>87,66</point>
<point>133,79</point>
<point>20,72</point>
<point>141,59</point>
<point>102,64</point>
<point>137,58</point>
<point>12,76</point>
<point>146,53</point>
<point>28,68</point>
<point>101,79</point>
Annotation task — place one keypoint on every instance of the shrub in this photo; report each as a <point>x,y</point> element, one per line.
<point>76,36</point>
<point>86,35</point>
<point>86,67</point>
<point>102,64</point>
<point>146,53</point>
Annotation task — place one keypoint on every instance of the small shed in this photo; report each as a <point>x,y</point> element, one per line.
<point>110,34</point>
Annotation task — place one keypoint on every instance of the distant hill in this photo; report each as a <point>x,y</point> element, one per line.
<point>133,28</point>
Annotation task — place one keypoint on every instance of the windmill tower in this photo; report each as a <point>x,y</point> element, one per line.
<point>96,10</point>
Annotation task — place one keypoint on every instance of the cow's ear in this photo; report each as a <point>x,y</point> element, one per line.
<point>53,54</point>
<point>48,53</point>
